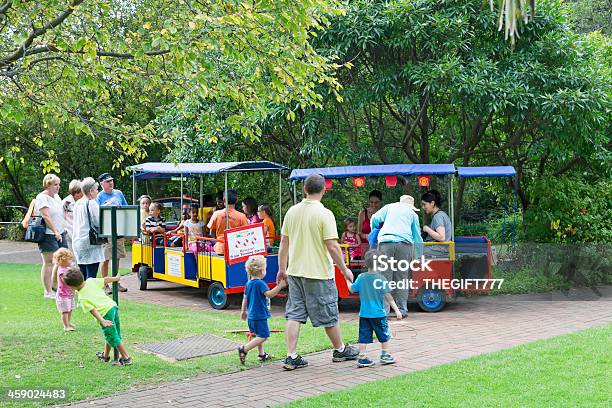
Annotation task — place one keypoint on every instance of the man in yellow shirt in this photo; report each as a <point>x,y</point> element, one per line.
<point>307,253</point>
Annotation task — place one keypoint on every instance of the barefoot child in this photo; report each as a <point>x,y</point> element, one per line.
<point>104,310</point>
<point>64,299</point>
<point>373,288</point>
<point>256,297</point>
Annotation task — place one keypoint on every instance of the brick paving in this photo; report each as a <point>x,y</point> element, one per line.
<point>465,329</point>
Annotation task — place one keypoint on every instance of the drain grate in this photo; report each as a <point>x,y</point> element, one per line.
<point>190,347</point>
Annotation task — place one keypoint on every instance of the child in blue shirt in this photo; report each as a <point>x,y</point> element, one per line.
<point>255,306</point>
<point>373,289</point>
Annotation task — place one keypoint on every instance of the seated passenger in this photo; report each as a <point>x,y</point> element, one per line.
<point>177,241</point>
<point>195,228</point>
<point>351,238</point>
<point>219,205</point>
<point>440,229</point>
<point>265,213</point>
<point>155,223</point>
<point>249,208</point>
<point>219,222</point>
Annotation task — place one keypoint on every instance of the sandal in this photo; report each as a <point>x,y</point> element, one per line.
<point>100,355</point>
<point>242,354</point>
<point>264,357</point>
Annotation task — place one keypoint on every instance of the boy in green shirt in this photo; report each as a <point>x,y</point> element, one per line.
<point>94,300</point>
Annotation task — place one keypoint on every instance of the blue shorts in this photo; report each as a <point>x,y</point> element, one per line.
<point>378,325</point>
<point>259,327</point>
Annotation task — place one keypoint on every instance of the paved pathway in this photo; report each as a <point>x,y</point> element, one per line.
<point>464,329</point>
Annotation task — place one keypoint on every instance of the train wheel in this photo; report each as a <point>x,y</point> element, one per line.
<point>217,297</point>
<point>143,276</point>
<point>431,300</point>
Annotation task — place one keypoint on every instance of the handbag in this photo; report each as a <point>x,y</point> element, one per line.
<point>94,234</point>
<point>36,229</point>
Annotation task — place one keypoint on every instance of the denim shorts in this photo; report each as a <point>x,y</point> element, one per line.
<point>378,325</point>
<point>50,244</point>
<point>259,327</point>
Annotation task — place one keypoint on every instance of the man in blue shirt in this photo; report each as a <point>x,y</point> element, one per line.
<point>111,197</point>
<point>398,237</point>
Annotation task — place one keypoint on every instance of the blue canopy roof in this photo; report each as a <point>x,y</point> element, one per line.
<point>486,171</point>
<point>375,170</point>
<point>161,170</point>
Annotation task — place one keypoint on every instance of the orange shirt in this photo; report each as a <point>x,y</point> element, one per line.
<point>269,225</point>
<point>217,223</point>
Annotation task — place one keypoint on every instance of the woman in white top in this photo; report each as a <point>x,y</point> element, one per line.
<point>49,205</point>
<point>87,256</point>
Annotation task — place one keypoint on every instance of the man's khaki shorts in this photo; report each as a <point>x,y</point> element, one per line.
<point>312,298</point>
<point>108,249</point>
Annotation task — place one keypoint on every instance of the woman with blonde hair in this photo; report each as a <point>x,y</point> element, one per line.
<point>49,205</point>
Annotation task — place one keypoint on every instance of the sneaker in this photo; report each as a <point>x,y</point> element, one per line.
<point>349,353</point>
<point>49,295</point>
<point>122,288</point>
<point>108,290</point>
<point>293,363</point>
<point>364,362</point>
<point>386,359</point>
<point>125,361</point>
<point>100,355</point>
<point>264,357</point>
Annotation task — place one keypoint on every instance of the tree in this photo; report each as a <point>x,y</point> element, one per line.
<point>68,63</point>
<point>430,81</point>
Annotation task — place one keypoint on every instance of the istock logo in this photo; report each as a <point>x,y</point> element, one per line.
<point>383,263</point>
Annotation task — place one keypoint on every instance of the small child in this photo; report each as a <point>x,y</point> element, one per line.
<point>265,213</point>
<point>373,288</point>
<point>145,203</point>
<point>64,298</point>
<point>155,223</point>
<point>103,308</point>
<point>351,238</point>
<point>195,228</point>
<point>256,297</point>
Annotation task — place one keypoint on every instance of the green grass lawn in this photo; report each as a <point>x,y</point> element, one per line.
<point>571,370</point>
<point>35,352</point>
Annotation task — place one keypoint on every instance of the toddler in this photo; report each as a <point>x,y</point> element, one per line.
<point>64,297</point>
<point>373,289</point>
<point>255,307</point>
<point>351,238</point>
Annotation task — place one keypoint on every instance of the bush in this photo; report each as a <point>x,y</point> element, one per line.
<point>570,210</point>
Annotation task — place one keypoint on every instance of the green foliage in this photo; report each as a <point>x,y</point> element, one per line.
<point>592,15</point>
<point>570,209</point>
<point>73,66</point>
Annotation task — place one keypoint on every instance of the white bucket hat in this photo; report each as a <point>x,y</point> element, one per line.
<point>408,199</point>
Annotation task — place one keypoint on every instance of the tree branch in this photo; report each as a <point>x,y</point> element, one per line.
<point>20,52</point>
<point>5,6</point>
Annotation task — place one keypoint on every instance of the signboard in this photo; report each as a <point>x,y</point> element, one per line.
<point>243,242</point>
<point>174,264</point>
<point>128,221</point>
